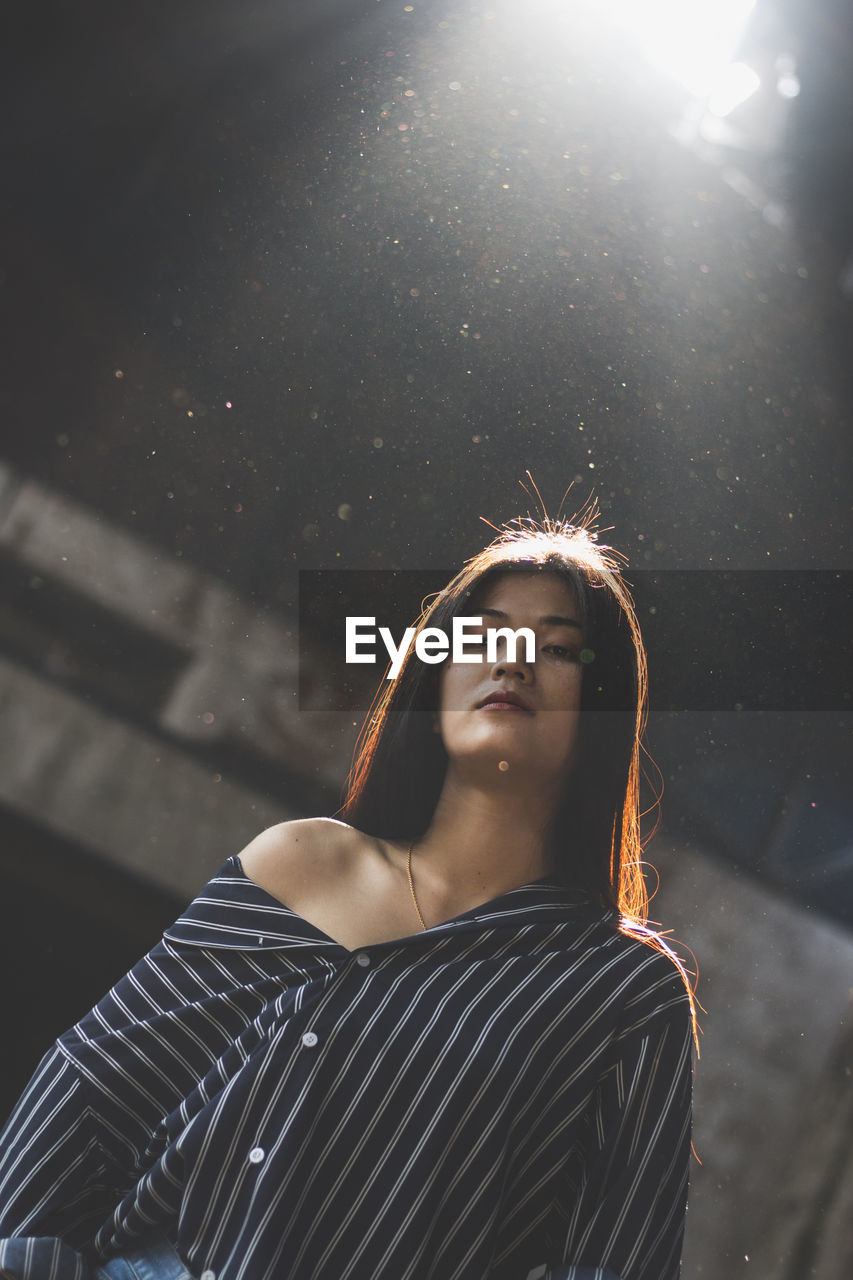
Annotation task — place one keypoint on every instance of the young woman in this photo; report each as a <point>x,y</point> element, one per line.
<point>431,1041</point>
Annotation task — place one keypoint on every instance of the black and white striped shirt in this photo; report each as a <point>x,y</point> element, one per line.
<point>508,1091</point>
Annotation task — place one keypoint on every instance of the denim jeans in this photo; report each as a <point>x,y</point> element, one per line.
<point>153,1258</point>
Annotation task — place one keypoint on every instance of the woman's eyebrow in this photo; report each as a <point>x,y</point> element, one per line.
<point>548,619</point>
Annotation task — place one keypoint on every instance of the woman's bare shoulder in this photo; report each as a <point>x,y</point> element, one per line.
<point>287,859</point>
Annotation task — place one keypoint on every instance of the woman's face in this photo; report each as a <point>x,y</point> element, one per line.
<point>538,743</point>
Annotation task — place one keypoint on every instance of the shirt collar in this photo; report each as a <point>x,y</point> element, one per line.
<point>233,911</point>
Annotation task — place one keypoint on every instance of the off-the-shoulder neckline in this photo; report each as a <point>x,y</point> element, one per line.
<point>472,912</point>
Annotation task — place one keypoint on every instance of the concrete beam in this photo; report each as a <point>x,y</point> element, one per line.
<point>124,793</point>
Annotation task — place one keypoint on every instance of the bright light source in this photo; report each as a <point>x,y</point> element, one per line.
<point>788,82</point>
<point>737,83</point>
<point>691,40</point>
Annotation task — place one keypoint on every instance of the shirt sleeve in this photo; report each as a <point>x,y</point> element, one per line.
<point>619,1213</point>
<point>40,1258</point>
<point>573,1273</point>
<point>54,1177</point>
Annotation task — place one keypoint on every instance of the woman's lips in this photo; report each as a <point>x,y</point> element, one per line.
<point>505,706</point>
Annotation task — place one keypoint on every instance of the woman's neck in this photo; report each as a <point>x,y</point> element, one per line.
<point>482,842</point>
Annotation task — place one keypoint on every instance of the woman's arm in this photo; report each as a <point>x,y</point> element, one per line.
<point>53,1176</point>
<point>620,1205</point>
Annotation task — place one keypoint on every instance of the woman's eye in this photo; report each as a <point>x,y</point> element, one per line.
<point>564,653</point>
<point>568,655</point>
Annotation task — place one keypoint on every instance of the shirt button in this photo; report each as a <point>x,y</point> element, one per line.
<point>309,1039</point>
<point>208,1275</point>
<point>256,1155</point>
<point>363,959</point>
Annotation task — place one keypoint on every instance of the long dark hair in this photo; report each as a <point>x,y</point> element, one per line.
<point>399,763</point>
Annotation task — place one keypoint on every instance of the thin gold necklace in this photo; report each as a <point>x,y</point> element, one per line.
<point>412,887</point>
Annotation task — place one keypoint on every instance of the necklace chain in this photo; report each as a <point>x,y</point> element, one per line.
<point>412,887</point>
